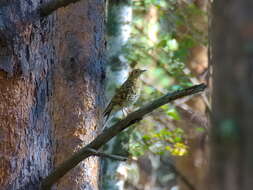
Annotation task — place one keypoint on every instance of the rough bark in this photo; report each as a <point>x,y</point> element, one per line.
<point>51,91</point>
<point>231,154</point>
<point>25,89</point>
<point>78,94</point>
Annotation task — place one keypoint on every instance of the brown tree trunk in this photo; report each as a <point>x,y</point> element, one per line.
<point>231,154</point>
<point>78,88</point>
<point>25,89</point>
<point>51,91</point>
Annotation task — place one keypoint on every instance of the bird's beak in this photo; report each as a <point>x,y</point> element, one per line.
<point>142,71</point>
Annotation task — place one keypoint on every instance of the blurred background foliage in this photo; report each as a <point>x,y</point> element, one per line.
<point>162,34</point>
<point>169,39</point>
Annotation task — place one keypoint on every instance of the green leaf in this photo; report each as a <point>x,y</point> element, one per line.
<point>200,129</point>
<point>173,113</point>
<point>172,45</point>
<point>178,139</point>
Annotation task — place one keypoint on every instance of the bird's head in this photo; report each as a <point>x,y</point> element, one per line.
<point>136,73</point>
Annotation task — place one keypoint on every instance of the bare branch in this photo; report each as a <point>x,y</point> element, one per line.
<point>53,5</point>
<point>102,154</point>
<point>196,118</point>
<point>114,130</point>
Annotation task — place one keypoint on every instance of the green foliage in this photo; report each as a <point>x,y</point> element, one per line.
<point>158,142</point>
<point>171,112</point>
<point>200,129</point>
<point>164,55</point>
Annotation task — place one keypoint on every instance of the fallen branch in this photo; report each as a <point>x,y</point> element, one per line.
<point>114,130</point>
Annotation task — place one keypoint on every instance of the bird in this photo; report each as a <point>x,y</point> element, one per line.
<point>127,94</point>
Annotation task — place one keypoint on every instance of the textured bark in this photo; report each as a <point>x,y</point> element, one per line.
<point>25,89</point>
<point>78,90</point>
<point>51,91</point>
<point>231,154</point>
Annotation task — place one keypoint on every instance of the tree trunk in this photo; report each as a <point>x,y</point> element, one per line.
<point>51,91</point>
<point>231,161</point>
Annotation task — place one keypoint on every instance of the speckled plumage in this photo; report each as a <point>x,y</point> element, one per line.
<point>127,94</point>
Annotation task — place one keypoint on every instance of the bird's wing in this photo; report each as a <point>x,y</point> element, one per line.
<point>118,98</point>
<point>108,111</point>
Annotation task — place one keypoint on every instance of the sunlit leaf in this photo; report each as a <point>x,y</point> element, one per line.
<point>172,45</point>
<point>200,129</point>
<point>173,113</point>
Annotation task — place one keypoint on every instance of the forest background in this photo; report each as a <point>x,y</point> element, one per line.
<point>53,73</point>
<point>169,39</point>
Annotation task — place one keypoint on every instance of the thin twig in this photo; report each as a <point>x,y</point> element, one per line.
<point>102,154</point>
<point>114,130</point>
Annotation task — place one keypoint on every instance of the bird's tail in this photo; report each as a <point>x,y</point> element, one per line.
<point>108,111</point>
